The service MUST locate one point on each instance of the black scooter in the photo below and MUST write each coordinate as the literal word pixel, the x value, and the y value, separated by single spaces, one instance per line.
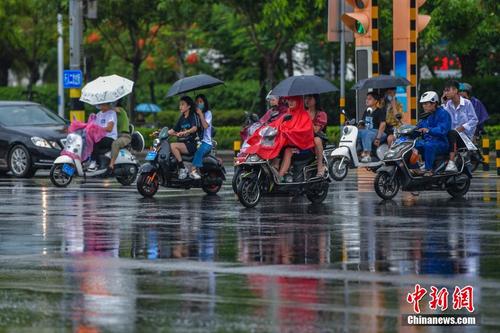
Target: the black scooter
pixel 396 173
pixel 258 177
pixel 161 169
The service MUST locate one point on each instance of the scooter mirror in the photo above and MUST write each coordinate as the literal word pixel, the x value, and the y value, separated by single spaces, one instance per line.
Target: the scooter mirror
pixel 399 116
pixel 255 118
pixel 163 133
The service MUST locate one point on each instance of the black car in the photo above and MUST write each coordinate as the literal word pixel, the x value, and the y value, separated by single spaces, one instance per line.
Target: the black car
pixel 31 137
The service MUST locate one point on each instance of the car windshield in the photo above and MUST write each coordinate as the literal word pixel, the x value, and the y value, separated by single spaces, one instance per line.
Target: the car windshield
pixel 28 115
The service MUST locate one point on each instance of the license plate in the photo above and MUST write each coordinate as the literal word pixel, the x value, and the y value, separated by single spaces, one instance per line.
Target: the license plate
pixel 68 169
pixel 151 156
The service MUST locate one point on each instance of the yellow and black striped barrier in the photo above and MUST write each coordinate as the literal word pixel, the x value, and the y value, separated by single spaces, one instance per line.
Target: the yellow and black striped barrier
pixel 486 154
pixel 497 148
pixel 375 39
pixel 76 106
pixel 413 61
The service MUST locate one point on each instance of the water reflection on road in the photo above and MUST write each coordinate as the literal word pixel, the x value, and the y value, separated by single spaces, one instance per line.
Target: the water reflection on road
pixel 98 258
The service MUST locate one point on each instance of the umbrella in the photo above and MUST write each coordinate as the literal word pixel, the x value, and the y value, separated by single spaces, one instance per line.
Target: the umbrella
pixel 191 83
pixel 106 89
pixel 303 85
pixel 147 108
pixel 381 82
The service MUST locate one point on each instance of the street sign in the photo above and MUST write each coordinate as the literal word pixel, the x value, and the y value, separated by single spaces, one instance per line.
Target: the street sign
pixel 72 78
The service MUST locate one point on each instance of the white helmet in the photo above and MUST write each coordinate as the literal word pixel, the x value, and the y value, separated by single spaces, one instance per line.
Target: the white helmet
pixel 429 96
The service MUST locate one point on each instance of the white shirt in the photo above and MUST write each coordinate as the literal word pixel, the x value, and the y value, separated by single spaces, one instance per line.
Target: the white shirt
pixel 207 132
pixel 103 119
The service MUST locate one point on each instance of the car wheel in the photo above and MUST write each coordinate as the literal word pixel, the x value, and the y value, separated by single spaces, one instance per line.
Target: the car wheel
pixel 20 162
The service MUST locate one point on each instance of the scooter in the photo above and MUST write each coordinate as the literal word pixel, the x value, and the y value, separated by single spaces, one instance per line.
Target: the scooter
pixel 396 173
pixel 252 123
pixel 259 178
pixel 161 169
pixel 70 163
pixel 345 157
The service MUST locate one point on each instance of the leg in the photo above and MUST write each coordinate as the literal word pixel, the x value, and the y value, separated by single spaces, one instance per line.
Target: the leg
pixel 287 160
pixel 101 147
pixel 452 140
pixel 318 148
pixel 122 141
pixel 203 150
pixel 367 141
pixel 430 151
pixel 178 148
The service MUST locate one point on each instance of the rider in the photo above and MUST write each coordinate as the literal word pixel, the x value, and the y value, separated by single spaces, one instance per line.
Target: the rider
pixel 124 137
pixel 463 119
pixel 435 128
pixel 393 109
pixel 277 108
pixel 205 116
pixel 372 127
pixel 185 131
pixel 481 112
pixel 319 119
pixel 106 118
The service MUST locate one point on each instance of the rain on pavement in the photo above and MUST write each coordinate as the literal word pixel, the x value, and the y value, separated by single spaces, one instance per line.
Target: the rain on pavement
pixel 96 257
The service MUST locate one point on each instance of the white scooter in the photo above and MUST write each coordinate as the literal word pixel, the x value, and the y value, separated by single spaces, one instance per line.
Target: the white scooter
pixel 70 163
pixel 345 157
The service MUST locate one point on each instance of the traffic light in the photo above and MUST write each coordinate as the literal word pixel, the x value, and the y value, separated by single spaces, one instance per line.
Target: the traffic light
pixel 407 23
pixel 360 21
pixel 364 23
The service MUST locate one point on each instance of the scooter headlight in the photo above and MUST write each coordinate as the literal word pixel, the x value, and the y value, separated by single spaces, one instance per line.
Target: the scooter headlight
pixel 253 158
pixel 156 143
pixel 346 130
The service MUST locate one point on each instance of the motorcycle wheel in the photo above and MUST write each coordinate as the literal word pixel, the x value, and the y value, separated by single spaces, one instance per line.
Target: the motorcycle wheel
pixel 211 189
pixel 236 179
pixel 460 187
pixel 384 188
pixel 319 195
pixel 148 184
pixel 249 192
pixel 58 177
pixel 128 180
pixel 337 170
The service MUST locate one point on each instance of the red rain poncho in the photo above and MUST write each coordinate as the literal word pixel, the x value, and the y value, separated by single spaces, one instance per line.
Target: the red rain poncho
pixel 296 132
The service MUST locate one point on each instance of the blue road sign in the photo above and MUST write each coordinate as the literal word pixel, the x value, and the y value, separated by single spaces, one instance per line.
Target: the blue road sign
pixel 72 78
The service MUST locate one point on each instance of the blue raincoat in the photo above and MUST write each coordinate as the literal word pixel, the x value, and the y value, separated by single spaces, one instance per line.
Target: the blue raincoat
pixel 435 142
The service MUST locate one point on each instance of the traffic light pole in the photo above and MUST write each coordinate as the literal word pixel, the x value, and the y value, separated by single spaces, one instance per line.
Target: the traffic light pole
pixel 75 44
pixel 342 66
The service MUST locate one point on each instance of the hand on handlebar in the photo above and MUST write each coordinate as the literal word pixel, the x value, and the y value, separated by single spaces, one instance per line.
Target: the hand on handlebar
pixel 423 130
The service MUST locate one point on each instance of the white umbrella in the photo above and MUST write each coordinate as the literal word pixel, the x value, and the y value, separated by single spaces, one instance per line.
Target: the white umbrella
pixel 106 89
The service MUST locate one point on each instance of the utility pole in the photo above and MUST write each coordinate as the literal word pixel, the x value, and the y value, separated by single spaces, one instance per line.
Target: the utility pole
pixel 75 56
pixel 342 66
pixel 60 66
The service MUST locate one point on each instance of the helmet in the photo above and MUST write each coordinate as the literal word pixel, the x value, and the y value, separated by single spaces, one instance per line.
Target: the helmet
pixel 465 87
pixel 429 96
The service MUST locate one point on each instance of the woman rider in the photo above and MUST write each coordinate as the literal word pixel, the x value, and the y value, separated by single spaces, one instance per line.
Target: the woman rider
pixel 124 137
pixel 205 116
pixel 185 131
pixel 319 119
pixel 106 118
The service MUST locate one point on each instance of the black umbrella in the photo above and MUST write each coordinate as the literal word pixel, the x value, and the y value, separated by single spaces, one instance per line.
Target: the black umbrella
pixel 303 85
pixel 191 83
pixel 381 82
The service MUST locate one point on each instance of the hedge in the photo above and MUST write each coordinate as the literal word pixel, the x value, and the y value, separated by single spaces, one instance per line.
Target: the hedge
pixel 240 96
pixel 227 135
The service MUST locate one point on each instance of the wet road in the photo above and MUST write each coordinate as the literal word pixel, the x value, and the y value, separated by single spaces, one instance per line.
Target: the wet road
pixel 99 258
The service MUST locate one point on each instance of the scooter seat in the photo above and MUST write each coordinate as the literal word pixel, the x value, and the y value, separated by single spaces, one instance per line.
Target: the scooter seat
pixel 187 158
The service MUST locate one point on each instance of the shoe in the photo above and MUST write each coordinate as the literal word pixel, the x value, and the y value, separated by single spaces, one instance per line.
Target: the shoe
pixel 366 159
pixel 422 167
pixel 92 166
pixel 451 167
pixel 417 172
pixel 183 173
pixel 194 175
pixel 288 178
